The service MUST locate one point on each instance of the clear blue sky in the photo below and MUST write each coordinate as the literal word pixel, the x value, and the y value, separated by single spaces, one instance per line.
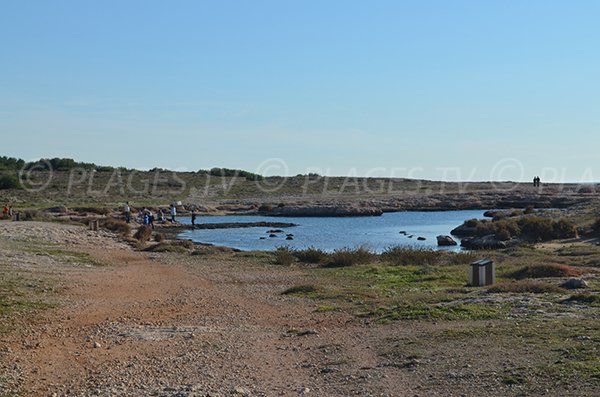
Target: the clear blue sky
pixel 340 87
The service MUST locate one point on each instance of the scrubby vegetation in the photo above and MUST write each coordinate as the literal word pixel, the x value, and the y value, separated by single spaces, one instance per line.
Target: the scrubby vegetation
pixel 117 226
pixel 546 270
pixel 228 172
pixel 311 255
pixel 9 182
pixel 525 286
pixel 349 257
pixel 526 227
pixel 143 233
pixel 284 256
pixel 411 256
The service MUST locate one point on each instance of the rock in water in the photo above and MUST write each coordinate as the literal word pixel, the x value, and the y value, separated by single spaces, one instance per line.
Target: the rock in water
pixel 445 241
pixel 421 238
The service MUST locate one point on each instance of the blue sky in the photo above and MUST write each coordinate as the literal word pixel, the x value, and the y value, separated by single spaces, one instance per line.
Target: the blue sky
pixel 480 89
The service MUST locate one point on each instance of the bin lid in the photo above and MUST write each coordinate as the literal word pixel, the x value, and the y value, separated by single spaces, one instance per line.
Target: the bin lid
pixel 482 262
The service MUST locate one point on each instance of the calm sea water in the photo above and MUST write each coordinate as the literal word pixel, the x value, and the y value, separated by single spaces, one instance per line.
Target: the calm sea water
pixel 376 233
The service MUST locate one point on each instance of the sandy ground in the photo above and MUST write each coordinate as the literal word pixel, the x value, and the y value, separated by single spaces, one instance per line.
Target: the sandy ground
pixel 180 325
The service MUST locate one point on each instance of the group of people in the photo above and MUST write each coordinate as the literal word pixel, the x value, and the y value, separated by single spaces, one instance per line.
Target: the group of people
pixel 536 181
pixel 7 212
pixel 146 217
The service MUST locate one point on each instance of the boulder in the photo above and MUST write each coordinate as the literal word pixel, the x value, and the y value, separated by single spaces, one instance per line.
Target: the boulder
pixel 421 238
pixel 464 231
pixel 445 241
pixel 574 283
pixel 486 242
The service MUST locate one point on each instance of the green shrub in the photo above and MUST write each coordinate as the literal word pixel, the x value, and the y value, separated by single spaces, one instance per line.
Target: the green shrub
pixel 537 228
pixel 471 222
pixel 9 182
pixel 311 255
pixel 143 234
pixel 564 229
pixel 535 287
pixel 349 257
pixel 284 256
pixel 403 256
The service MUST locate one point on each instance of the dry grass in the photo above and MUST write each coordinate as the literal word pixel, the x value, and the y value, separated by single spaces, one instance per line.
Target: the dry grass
pixel 546 270
pixel 143 233
pixel 117 226
pixel 525 286
pixel 349 257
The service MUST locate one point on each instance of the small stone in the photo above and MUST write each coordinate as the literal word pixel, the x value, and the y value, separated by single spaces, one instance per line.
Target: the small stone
pixel 97 345
pixel 241 391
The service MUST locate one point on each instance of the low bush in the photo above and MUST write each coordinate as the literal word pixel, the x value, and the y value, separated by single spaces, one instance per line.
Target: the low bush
pixel 284 256
pixel 531 286
pixel 546 270
pixel 34 215
pixel 300 289
pixel 93 210
pixel 117 226
pixel 166 247
pixel 9 182
pixel 349 257
pixel 187 244
pixel 564 229
pixel 529 227
pixel 402 256
pixel 143 233
pixel 311 255
pixel 583 298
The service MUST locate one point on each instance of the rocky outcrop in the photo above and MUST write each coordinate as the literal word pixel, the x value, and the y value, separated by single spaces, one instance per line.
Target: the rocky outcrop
pixel 445 241
pixel 235 225
pixel 324 211
pixel 485 242
pixel 464 230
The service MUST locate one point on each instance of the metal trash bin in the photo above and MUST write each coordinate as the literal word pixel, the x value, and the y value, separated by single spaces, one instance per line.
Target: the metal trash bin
pixel 94 225
pixel 482 272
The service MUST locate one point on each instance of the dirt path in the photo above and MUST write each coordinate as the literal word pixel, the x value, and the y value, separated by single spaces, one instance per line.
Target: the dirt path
pixel 181 325
pixel 163 324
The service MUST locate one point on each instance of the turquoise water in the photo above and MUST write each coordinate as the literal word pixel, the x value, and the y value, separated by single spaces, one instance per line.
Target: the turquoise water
pixel 376 233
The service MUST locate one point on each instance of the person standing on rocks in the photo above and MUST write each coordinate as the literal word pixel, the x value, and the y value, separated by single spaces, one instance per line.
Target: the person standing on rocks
pixel 173 212
pixel 127 211
pixel 5 212
pixel 151 219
